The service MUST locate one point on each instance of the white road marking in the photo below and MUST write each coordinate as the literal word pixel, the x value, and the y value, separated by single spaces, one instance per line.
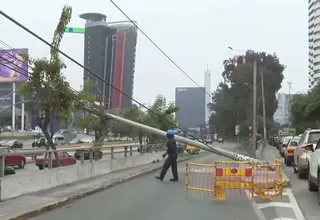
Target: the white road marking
pixel 268 193
pixel 293 204
pixel 274 204
pixel 296 208
pixel 283 218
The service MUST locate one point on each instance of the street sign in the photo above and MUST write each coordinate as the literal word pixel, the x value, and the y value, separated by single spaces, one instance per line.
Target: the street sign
pixel 250 128
pixel 237 129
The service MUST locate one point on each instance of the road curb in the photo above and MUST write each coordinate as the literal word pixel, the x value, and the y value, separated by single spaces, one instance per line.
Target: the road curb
pixel 100 188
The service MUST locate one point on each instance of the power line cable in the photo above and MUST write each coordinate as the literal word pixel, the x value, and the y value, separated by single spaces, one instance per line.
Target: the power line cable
pixel 159 48
pixel 27 75
pixel 236 102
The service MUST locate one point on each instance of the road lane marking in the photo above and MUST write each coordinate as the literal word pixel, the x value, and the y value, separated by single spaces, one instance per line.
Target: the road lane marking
pixel 296 209
pixel 283 218
pixel 258 212
pixel 274 204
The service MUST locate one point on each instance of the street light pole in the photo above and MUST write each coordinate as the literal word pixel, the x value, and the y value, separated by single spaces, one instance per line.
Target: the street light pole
pixel 263 106
pixel 289 102
pixel 254 108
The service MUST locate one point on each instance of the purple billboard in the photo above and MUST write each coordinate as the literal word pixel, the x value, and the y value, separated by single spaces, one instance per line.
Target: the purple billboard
pixel 14 65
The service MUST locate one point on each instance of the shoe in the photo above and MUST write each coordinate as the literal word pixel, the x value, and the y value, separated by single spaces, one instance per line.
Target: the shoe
pixel 174 180
pixel 158 178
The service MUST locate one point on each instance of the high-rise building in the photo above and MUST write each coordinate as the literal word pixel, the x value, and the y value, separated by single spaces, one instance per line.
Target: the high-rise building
pixel 191 101
pixel 282 114
pixel 314 43
pixel 109 52
pixel 207 86
pixel 98 54
pixel 125 41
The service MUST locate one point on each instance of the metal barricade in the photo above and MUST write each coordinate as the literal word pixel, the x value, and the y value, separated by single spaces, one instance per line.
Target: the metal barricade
pixel 228 178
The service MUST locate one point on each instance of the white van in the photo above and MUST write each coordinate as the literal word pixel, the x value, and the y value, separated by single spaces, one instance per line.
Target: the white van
pixel 58 139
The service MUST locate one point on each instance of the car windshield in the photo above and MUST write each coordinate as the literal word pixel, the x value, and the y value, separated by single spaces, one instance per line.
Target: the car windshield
pixel 286 140
pixel 313 137
pixel 294 142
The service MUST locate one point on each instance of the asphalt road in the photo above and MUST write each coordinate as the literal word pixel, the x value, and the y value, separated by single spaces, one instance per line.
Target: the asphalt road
pixel 145 198
pixel 306 200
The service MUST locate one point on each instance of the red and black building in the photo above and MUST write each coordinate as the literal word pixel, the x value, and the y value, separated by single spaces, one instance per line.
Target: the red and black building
pixel 110 49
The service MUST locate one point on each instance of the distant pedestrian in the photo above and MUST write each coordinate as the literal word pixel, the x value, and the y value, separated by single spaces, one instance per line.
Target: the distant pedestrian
pixel 171 160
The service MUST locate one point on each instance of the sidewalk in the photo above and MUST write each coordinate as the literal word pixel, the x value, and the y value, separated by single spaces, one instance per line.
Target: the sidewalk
pixel 31 205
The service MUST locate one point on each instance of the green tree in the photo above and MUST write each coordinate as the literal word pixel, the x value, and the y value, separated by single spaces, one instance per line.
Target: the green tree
pixel 135 113
pixel 48 85
pixel 305 110
pixel 232 100
pixel 94 118
pixel 163 118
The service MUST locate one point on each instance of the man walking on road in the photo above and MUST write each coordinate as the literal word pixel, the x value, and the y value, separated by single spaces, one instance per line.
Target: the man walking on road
pixel 172 158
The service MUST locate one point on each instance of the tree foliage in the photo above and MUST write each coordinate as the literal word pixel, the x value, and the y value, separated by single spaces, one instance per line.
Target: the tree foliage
pixel 94 118
pixel 161 116
pixel 233 99
pixel 48 86
pixel 305 109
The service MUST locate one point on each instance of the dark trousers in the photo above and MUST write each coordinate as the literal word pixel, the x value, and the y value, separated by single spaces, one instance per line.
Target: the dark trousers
pixel 170 161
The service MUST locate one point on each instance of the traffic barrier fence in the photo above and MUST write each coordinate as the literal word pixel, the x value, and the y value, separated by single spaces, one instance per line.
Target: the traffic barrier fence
pixel 223 179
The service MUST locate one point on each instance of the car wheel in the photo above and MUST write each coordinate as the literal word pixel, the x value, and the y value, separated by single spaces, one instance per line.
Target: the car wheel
pixel 22 163
pixel 41 167
pixel 301 174
pixel 295 170
pixel 288 162
pixel 311 186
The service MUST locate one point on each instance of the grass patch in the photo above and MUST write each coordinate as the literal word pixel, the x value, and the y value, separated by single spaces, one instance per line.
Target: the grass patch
pixel 21 138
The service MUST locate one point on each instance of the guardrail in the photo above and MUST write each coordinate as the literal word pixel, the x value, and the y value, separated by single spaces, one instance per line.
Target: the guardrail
pixel 49 154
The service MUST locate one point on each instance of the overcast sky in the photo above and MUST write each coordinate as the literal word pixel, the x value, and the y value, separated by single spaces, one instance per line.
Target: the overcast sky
pixel 192 33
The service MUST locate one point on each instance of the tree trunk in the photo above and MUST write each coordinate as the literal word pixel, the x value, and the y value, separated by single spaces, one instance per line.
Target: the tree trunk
pixel 43 124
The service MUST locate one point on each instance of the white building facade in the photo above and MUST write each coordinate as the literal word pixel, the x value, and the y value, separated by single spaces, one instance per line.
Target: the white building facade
pixel 207 86
pixel 314 43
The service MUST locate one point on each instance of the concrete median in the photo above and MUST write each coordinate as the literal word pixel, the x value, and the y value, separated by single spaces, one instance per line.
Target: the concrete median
pixel 18 185
pixel 49 200
pixel 265 153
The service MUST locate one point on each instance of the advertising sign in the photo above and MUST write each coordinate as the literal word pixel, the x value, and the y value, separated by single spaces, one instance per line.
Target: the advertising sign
pixel 13 65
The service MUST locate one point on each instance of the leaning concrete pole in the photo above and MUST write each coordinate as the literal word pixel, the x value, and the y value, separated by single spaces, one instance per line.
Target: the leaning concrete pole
pixel 219 151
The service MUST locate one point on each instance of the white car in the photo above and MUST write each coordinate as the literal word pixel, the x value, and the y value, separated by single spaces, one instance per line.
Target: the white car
pixel 87 140
pixel 314 168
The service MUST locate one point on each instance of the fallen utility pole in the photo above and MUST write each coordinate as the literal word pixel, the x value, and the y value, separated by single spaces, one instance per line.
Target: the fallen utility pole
pixel 215 150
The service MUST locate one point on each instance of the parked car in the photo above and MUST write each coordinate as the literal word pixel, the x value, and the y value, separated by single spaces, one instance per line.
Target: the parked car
pixel 75 141
pixel 314 168
pixel 13 160
pixel 87 140
pixel 289 150
pixel 64 158
pixel 96 154
pixel 284 144
pixel 13 144
pixel 40 142
pixel 302 155
pixel 220 140
pixel 58 139
pixel 280 140
pixel 2 143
